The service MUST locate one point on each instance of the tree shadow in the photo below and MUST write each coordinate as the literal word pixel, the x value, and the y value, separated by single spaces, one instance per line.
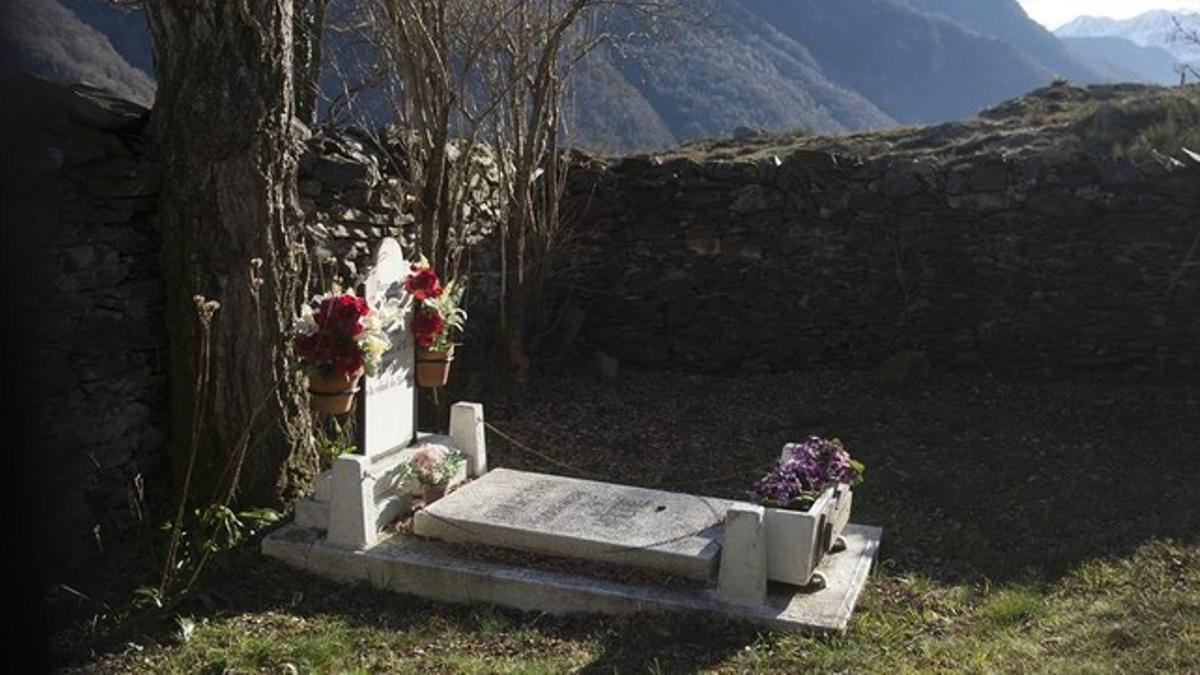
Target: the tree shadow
pixel 245 582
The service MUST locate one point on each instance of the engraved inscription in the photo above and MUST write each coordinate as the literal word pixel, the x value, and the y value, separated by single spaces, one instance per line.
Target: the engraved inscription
pixel 560 506
pixel 621 511
pixel 544 504
pixel 515 507
pixel 584 519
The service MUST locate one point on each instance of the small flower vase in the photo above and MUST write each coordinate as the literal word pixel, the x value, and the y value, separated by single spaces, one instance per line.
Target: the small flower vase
pixel 797 541
pixel 333 394
pixel 433 493
pixel 433 368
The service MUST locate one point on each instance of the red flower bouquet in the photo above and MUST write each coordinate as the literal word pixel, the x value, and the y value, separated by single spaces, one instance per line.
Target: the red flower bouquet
pixel 437 317
pixel 337 339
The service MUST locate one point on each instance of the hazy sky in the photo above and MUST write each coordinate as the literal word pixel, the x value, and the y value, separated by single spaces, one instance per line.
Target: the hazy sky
pixel 1054 13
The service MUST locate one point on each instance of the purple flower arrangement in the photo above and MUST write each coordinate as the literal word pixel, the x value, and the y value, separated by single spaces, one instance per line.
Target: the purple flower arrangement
pixel 811 466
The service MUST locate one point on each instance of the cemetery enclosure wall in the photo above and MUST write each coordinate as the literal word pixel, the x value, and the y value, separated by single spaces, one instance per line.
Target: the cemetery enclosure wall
pixel 815 261
pixel 1047 265
pixel 98 354
pixel 101 348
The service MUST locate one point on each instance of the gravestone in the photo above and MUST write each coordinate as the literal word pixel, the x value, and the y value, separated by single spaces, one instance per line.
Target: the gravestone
pixel 387 412
pixel 388 409
pixel 672 532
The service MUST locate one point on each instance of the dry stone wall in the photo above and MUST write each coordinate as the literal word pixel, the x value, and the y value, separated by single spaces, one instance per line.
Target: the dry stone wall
pixel 102 344
pixel 100 348
pixel 1039 265
pixel 1049 264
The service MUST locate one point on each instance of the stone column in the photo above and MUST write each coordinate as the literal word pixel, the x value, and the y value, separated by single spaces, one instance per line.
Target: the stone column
pixel 352 507
pixel 743 575
pixel 467 434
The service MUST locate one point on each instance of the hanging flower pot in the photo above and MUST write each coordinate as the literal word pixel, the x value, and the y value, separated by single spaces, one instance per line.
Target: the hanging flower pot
pixel 433 367
pixel 438 316
pixel 337 332
pixel 333 394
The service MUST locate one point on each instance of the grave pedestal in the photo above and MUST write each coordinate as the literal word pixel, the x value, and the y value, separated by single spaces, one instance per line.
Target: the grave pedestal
pixel 743 577
pixel 432 570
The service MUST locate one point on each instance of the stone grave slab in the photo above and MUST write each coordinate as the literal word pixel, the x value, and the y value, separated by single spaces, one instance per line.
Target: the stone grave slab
pixel 672 532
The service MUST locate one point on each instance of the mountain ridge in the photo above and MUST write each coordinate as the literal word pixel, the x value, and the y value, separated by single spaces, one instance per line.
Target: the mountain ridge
pixel 1155 28
pixel 771 65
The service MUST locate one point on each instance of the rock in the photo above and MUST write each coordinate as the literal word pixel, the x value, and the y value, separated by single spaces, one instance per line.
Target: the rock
pixel 745 133
pixel 100 109
pixel 754 199
pixel 900 180
pixel 990 177
pixel 703 245
pixel 310 187
pixel 338 172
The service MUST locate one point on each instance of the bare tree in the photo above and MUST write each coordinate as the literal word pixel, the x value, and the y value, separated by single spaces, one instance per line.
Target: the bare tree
pixel 496 72
pixel 308 31
pixel 1185 35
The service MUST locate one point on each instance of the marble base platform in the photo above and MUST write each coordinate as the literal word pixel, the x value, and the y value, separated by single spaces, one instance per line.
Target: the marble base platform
pixel 434 570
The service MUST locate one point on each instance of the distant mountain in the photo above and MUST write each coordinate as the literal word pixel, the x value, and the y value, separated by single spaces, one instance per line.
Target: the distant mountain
pixel 1131 61
pixel 771 65
pixel 1005 20
pixel 738 71
pixel 45 38
pixel 916 66
pixel 124 26
pixel 1152 29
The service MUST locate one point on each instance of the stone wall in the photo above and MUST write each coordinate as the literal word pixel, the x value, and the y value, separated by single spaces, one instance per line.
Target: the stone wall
pixel 100 349
pixel 1047 264
pixel 102 344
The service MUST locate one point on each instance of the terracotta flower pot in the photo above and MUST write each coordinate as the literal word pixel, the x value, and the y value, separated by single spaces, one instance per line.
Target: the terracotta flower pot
pixel 333 395
pixel 433 368
pixel 434 493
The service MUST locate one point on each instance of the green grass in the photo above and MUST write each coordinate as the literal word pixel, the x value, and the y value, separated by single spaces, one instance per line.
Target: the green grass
pixel 1178 128
pixel 1042 528
pixel 1144 617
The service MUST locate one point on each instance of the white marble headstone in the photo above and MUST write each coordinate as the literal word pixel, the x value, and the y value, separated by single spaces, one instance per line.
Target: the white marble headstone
pixel 389 400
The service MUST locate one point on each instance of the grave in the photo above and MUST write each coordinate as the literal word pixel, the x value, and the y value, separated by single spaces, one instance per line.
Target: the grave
pixel 666 531
pixel 363 492
pixel 719 546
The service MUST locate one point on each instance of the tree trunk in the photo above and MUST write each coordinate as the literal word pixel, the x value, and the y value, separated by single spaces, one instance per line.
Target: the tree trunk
pixel 223 120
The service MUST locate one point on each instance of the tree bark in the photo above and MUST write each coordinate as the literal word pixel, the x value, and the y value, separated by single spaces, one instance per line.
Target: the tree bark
pixel 223 122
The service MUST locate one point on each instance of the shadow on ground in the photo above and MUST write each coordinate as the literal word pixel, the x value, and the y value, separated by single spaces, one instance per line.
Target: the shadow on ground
pixel 248 584
pixel 970 477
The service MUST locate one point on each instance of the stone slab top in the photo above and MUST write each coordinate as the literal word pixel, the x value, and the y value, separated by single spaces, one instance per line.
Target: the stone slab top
pixel 668 531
